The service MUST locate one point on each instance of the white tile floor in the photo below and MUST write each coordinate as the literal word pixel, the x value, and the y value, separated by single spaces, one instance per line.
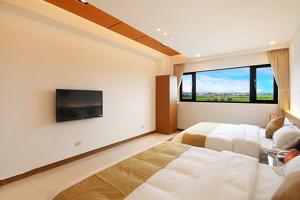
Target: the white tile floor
pixel 45 185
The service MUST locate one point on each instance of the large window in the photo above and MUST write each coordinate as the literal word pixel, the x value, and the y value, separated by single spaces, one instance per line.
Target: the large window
pixel 253 84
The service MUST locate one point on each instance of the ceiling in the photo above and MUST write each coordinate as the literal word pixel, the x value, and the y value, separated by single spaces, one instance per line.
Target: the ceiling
pixel 210 27
pixel 96 15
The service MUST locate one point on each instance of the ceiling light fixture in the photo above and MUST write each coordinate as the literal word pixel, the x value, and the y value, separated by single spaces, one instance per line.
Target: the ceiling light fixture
pixel 164 45
pixel 158 29
pixel 272 42
pixel 197 55
pixel 165 33
pixel 83 1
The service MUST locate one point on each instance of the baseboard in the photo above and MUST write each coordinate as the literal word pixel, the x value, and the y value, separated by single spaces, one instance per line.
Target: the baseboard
pixel 68 160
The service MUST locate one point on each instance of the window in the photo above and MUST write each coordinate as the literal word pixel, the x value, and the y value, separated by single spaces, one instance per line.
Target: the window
pixel 223 85
pixel 253 84
pixel 264 84
pixel 187 83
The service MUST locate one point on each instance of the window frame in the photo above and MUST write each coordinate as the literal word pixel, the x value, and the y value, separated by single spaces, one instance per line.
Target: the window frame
pixel 252 82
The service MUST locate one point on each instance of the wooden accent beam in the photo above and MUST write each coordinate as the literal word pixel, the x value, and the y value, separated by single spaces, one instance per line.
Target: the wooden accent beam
pixel 127 31
pixel 154 44
pixel 96 15
pixel 86 11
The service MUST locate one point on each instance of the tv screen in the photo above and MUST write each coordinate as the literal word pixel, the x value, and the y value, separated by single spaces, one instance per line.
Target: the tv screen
pixel 78 104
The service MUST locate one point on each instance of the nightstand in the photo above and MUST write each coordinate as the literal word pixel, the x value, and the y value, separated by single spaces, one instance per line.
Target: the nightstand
pixel 269 157
pixel 274 161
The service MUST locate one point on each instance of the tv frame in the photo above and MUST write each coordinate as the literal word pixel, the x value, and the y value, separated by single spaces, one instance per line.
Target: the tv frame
pixel 58 119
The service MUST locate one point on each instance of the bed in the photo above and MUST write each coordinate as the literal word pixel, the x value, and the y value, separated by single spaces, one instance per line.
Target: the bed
pixel 244 139
pixel 173 171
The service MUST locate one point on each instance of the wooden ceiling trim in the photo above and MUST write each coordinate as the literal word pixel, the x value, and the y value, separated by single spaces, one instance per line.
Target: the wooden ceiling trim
pixel 114 25
pixel 127 31
pixel 86 11
pixel 94 14
pixel 154 44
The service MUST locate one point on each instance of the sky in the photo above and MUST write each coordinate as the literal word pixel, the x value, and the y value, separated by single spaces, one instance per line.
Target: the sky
pixel 264 79
pixel 230 80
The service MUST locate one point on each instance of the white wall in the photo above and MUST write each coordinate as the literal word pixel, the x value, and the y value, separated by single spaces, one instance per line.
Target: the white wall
pixel 44 48
pixel 295 74
pixel 228 62
pixel 195 112
pixel 192 113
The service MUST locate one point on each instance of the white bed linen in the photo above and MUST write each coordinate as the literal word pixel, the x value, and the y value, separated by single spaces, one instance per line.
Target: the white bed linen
pixel 265 143
pixel 202 174
pixel 267 182
pixel 243 139
pixel 197 169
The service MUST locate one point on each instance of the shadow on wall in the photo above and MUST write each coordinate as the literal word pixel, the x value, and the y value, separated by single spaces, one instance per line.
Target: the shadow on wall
pixel 44 108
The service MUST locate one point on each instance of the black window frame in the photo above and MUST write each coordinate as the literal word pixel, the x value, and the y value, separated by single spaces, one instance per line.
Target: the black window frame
pixel 252 82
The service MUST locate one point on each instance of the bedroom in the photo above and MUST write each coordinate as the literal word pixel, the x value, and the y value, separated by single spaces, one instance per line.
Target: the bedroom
pixel 45 46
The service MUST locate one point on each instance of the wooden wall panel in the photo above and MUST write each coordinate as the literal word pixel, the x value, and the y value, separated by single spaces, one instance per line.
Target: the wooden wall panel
pixel 93 14
pixel 166 104
pixel 173 103
pixel 162 104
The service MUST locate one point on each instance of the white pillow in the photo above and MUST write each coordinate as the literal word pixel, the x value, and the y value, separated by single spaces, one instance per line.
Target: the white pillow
pixel 286 137
pixel 287 122
pixel 291 166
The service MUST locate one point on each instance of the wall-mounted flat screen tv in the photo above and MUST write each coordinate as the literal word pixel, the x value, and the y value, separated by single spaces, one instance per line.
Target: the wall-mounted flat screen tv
pixel 78 104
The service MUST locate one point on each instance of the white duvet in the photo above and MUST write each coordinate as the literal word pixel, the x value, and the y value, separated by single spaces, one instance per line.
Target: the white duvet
pixel 202 174
pixel 243 139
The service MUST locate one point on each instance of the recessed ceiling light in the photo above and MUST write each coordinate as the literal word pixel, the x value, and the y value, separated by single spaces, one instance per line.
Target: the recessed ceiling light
pixel 272 42
pixel 165 33
pixel 158 29
pixel 197 55
pixel 83 1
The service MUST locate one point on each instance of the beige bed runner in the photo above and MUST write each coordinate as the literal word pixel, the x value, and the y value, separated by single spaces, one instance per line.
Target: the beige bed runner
pixel 118 181
pixel 196 135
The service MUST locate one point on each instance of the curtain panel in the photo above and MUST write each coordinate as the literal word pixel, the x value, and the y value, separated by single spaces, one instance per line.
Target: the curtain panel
pixel 178 72
pixel 279 60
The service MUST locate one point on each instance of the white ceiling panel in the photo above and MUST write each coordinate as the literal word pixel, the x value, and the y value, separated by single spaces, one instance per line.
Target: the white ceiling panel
pixel 210 27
